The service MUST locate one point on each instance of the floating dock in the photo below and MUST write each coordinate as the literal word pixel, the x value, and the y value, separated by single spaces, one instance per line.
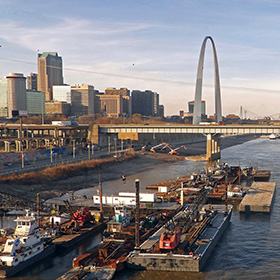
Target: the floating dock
pixel 259 198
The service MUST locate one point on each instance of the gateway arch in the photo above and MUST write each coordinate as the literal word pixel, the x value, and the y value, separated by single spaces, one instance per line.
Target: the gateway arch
pixel 198 89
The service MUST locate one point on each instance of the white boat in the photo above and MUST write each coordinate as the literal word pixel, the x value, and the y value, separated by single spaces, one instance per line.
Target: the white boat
pixel 272 137
pixel 235 191
pixel 24 247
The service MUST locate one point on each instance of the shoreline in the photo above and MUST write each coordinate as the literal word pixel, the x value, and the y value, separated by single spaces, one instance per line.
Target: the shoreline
pixel 23 194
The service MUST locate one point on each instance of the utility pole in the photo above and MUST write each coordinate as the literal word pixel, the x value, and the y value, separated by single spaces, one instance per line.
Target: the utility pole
pixel 137 215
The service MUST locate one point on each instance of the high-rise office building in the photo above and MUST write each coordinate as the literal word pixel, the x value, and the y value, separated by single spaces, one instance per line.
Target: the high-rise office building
pixel 62 93
pixel 203 107
pixel 16 92
pixel 111 105
pixel 31 81
pixel 82 100
pixel 145 103
pixel 35 102
pixel 3 97
pixel 126 100
pixel 161 111
pixel 49 72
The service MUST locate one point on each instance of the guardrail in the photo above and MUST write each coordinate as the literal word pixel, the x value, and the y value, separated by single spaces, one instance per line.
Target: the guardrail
pixel 56 162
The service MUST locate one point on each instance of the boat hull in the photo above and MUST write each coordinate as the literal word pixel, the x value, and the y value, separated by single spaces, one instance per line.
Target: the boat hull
pixel 8 271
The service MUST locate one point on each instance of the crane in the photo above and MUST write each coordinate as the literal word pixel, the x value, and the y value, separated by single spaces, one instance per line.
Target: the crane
pixel 154 147
pixel 174 151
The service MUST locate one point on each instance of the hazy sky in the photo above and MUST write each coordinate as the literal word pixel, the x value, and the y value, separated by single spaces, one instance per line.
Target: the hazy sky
pixel 153 45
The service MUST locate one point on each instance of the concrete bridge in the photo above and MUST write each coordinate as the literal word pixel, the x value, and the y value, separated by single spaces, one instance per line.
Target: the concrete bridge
pixel 37 135
pixel 103 134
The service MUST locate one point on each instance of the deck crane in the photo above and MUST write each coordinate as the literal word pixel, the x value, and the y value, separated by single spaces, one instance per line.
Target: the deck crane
pixel 154 147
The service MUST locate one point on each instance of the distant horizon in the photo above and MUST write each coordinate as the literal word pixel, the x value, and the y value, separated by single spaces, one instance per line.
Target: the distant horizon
pixel 152 46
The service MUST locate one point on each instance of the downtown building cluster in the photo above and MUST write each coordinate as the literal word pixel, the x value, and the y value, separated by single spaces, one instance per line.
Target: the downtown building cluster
pixel 46 93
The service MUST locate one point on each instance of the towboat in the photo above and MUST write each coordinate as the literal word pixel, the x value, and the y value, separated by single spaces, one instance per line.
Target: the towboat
pixel 24 247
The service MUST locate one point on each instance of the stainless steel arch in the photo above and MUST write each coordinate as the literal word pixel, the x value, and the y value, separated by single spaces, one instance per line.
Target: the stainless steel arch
pixel 198 89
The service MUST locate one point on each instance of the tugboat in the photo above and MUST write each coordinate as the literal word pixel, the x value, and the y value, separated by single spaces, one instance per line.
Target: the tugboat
pixel 24 247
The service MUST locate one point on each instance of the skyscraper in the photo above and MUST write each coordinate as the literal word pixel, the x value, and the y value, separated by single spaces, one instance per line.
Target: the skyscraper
pixel 16 92
pixel 32 81
pixel 49 72
pixel 82 100
pixel 126 100
pixel 145 103
pixel 3 97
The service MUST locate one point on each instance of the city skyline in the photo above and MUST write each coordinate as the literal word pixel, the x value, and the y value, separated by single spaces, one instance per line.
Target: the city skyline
pixel 152 46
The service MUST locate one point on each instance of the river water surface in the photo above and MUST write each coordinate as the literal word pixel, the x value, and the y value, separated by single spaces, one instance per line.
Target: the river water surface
pixel 248 249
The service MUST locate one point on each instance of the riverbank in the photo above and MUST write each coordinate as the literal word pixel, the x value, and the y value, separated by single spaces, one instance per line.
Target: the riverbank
pixel 24 194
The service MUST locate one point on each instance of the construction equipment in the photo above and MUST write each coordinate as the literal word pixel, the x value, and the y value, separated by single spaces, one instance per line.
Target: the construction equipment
pixel 174 151
pixel 153 149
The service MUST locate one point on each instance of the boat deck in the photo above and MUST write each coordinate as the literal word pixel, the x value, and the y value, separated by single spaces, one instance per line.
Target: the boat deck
pixel 209 234
pixel 68 240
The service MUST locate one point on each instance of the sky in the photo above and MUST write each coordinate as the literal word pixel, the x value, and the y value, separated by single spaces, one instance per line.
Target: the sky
pixel 153 45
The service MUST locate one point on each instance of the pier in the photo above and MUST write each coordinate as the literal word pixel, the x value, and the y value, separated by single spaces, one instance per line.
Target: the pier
pixel 259 198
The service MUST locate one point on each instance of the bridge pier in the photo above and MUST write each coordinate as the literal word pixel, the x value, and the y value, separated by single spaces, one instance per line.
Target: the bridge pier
pixel 18 146
pixel 7 146
pixel 213 148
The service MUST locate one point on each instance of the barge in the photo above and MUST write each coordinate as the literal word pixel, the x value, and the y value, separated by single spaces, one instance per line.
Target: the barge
pixel 193 250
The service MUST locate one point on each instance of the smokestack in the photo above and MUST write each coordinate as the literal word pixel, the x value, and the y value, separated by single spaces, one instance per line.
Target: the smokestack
pixel 101 203
pixel 38 208
pixel 137 215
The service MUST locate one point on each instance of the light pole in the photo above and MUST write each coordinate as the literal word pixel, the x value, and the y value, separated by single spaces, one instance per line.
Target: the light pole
pixel 22 155
pixel 109 144
pixel 74 149
pixel 88 151
pixel 51 152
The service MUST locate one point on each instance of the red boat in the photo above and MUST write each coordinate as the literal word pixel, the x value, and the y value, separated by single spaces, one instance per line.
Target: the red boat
pixel 169 240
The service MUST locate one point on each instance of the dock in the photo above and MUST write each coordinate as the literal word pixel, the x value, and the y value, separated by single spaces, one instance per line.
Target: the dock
pixel 259 198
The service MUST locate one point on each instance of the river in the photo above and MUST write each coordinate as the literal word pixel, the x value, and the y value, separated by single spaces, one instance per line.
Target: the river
pixel 249 248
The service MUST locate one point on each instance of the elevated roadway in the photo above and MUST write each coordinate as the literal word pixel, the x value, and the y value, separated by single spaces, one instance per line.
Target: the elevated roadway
pixel 205 129
pixel 100 133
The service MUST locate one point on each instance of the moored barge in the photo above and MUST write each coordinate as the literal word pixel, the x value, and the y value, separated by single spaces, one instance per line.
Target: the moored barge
pixel 192 252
